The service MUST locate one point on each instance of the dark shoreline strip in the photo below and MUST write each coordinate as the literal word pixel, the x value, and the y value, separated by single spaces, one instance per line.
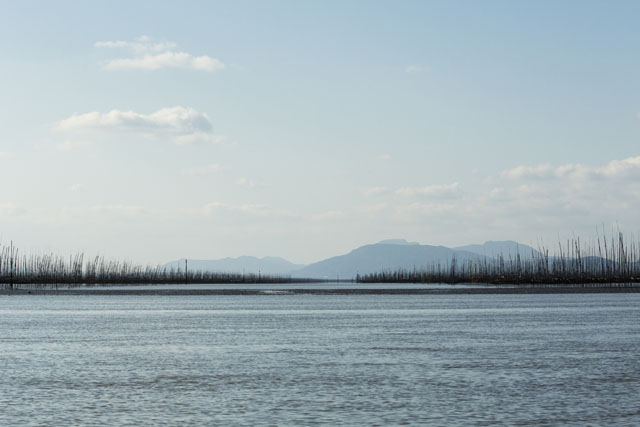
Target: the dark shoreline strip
pixel 336 291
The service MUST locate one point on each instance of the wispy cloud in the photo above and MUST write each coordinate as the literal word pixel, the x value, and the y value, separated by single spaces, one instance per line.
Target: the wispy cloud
pixel 615 168
pixel 141 44
pixel 376 191
pixel 556 195
pixel 441 191
pixel 166 60
pixel 182 125
pixel 149 55
pixel 248 183
pixel 384 156
pixel 525 197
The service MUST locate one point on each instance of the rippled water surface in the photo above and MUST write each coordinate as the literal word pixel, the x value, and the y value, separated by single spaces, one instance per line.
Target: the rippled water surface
pixel 315 359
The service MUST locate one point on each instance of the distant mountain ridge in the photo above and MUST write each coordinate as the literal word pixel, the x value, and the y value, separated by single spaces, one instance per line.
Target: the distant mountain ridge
pixel 389 254
pixel 381 256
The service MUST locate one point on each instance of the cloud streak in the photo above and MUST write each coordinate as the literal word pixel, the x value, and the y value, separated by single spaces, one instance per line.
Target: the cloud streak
pixel 166 60
pixel 248 183
pixel 151 56
pixel 442 191
pixel 376 191
pixel 629 167
pixel 139 45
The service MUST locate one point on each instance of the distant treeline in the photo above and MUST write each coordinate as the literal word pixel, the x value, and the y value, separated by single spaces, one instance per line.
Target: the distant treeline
pixel 51 269
pixel 604 261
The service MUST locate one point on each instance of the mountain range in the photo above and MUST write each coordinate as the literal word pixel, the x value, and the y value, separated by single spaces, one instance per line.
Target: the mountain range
pixel 385 255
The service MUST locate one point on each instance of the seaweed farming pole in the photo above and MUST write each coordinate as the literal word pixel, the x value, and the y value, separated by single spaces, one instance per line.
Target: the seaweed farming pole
pixel 186 271
pixel 11 266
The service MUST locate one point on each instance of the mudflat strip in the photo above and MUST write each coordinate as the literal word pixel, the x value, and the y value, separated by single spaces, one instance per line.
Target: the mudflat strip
pixel 335 291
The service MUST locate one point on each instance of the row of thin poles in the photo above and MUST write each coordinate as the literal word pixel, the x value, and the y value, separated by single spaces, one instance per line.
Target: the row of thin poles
pixel 611 261
pixel 51 269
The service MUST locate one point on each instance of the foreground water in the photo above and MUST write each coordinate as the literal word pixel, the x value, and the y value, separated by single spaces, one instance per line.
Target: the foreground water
pixel 314 359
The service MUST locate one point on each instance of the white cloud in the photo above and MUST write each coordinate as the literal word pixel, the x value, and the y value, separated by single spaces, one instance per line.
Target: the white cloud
pixel 140 45
pixel 376 191
pixel 182 125
pixel 527 200
pixel 544 171
pixel 614 169
pixel 174 119
pixel 442 191
pixel 573 196
pixel 417 69
pixel 384 157
pixel 166 60
pixel 154 56
pixel 620 168
pixel 76 187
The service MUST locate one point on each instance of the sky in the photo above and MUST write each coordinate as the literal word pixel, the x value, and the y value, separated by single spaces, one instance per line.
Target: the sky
pixel 152 131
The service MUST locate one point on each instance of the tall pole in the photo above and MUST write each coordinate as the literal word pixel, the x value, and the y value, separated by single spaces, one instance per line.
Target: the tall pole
pixel 11 266
pixel 186 271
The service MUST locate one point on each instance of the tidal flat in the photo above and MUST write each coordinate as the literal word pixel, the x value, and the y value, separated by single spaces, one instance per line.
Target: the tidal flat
pixel 329 288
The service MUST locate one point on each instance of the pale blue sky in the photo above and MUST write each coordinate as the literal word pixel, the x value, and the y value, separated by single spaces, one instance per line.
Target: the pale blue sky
pixel 304 129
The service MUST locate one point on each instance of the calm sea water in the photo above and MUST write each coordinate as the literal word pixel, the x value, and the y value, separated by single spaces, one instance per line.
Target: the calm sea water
pixel 320 359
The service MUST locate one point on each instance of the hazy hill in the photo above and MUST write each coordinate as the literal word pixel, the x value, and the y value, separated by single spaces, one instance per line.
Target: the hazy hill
pixel 382 256
pixel 247 264
pixel 386 255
